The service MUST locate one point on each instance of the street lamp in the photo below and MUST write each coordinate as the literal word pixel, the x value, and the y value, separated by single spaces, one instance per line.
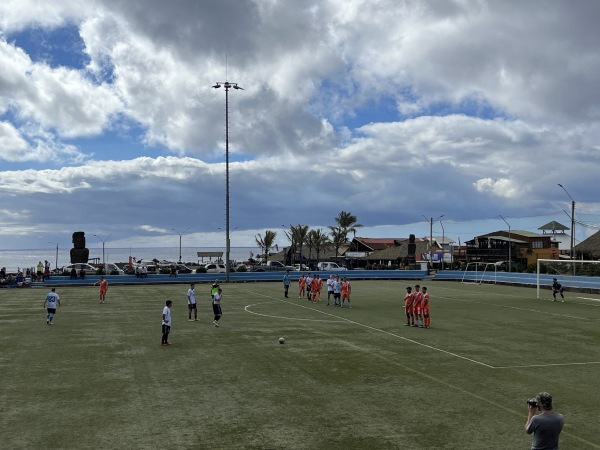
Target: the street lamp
pixel 103 242
pixel 227 85
pixel 431 222
pixel 509 245
pixel 572 224
pixel 180 234
pixel 56 262
pixel 443 242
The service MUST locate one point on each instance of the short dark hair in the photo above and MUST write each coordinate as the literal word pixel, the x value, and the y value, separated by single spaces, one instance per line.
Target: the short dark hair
pixel 545 400
pixel 169 302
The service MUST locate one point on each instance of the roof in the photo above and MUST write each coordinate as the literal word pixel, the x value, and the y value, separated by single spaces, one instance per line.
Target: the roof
pixel 400 250
pixel 553 226
pixel 590 246
pixel 379 243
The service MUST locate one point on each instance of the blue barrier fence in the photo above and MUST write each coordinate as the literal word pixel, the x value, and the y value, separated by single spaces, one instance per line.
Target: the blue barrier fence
pixel 526 279
pixel 235 277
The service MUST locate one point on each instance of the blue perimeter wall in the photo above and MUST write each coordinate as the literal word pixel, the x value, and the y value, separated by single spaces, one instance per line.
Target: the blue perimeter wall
pixel 526 279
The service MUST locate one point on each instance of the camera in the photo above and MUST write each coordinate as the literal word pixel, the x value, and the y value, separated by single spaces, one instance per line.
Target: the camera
pixel 532 402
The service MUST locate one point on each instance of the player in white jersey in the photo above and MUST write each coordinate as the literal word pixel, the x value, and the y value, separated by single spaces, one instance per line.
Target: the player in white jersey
pixel 52 299
pixel 329 282
pixel 191 295
pixel 166 323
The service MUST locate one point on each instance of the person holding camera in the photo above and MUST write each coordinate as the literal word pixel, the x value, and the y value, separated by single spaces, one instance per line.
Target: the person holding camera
pixel 546 427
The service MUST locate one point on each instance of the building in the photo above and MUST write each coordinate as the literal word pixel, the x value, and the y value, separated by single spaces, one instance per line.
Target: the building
pixel 524 247
pixel 589 249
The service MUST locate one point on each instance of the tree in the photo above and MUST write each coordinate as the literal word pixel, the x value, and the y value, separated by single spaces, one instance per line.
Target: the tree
pixel 347 224
pixel 319 241
pixel 337 238
pixel 266 242
pixel 298 237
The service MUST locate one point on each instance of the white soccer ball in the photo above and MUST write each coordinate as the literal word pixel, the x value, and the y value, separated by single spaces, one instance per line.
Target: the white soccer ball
pixel 282 340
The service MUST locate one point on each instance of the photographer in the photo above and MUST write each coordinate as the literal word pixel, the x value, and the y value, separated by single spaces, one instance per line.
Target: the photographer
pixel 546 427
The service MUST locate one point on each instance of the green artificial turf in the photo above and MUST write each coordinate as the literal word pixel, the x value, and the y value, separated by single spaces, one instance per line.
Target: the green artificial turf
pixel 344 379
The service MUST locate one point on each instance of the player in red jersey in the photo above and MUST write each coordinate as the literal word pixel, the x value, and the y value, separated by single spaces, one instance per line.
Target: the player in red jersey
pixel 417 307
pixel 408 304
pixel 425 307
pixel 301 286
pixel 346 289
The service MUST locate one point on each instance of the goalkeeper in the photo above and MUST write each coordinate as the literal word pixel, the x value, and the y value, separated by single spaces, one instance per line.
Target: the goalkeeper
pixel 557 289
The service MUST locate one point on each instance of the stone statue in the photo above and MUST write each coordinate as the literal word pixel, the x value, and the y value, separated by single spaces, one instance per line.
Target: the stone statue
pixel 79 254
pixel 412 247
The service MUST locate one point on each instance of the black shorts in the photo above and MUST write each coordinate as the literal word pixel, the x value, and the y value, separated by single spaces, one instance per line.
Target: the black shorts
pixel 191 306
pixel 166 329
pixel 217 309
pixel 336 295
pixel 51 310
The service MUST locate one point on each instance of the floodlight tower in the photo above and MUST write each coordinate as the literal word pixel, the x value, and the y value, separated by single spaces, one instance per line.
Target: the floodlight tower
pixel 103 242
pixel 227 85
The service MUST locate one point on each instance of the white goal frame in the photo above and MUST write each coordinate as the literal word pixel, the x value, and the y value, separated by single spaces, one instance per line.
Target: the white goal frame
pixel 539 281
pixel 477 264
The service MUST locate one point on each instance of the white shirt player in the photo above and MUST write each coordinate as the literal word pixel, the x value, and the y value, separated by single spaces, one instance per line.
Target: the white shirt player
pixel 51 299
pixel 191 296
pixel 330 282
pixel 167 316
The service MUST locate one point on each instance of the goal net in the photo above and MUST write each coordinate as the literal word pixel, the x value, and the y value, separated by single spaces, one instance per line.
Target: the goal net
pixel 579 274
pixel 478 272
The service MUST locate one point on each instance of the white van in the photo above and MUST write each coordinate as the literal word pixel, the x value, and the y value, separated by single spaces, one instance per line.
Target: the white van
pixel 330 266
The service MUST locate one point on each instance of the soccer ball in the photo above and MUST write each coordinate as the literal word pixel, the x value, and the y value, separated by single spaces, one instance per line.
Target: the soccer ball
pixel 282 340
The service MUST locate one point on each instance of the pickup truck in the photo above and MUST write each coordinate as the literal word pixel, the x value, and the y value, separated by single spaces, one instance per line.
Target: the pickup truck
pixel 330 266
pixel 271 266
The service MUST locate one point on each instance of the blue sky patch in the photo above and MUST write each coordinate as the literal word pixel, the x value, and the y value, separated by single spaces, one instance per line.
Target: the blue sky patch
pixel 57 47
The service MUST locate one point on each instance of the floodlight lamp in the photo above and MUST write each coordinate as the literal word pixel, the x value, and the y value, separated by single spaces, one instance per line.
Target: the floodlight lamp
pixel 217 86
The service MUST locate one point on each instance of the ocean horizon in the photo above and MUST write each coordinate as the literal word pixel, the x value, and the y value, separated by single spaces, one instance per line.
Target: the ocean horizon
pixel 13 260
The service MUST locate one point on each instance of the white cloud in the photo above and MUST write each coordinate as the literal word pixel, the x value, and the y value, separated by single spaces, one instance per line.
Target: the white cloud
pixel 492 104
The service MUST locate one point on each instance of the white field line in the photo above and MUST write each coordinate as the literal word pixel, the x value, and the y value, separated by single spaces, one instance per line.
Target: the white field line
pixel 343 319
pixel 412 341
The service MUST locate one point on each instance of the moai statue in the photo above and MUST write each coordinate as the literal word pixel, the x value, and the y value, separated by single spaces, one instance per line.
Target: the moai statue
pixel 79 254
pixel 412 248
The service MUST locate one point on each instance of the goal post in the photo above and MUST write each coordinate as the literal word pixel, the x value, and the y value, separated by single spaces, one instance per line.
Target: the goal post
pixel 479 272
pixel 576 273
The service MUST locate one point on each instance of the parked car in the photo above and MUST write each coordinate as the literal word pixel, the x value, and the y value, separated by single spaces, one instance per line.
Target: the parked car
pixel 330 266
pixel 182 268
pixel 215 268
pixel 112 268
pixel 89 269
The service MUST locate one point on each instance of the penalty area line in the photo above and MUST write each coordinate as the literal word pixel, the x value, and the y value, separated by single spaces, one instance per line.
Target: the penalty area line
pixel 549 365
pixel 412 341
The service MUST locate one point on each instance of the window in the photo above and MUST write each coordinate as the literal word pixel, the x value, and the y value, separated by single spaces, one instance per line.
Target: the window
pixel 537 244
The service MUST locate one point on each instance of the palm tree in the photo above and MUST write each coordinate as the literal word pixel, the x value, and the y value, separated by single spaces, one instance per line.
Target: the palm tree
pixel 298 236
pixel 347 224
pixel 320 241
pixel 266 242
pixel 337 238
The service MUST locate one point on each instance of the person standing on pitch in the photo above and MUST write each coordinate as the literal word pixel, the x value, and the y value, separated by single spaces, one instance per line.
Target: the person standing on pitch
pixel 301 286
pixel 408 302
pixel 286 283
pixel 217 306
pixel 191 296
pixel 329 288
pixel 103 288
pixel 166 323
pixel 425 308
pixel 557 289
pixel 546 427
pixel 418 313
pixel 52 299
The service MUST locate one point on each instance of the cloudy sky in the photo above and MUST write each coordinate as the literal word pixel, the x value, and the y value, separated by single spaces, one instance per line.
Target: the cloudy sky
pixel 392 110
